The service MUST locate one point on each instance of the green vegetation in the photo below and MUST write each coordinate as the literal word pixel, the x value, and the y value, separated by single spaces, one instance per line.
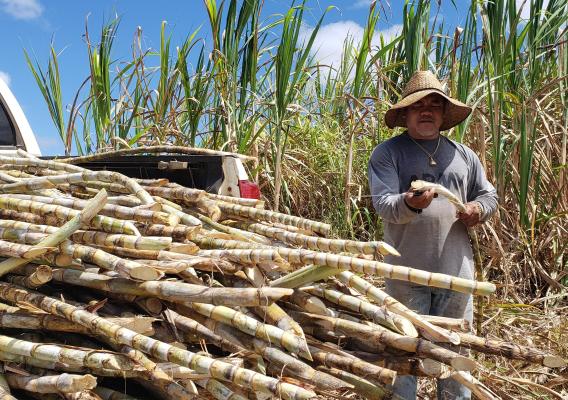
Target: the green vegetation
pixel 256 89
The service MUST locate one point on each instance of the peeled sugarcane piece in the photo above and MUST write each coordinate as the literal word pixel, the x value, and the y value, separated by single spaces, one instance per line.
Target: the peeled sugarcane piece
pixel 319 243
pixel 439 189
pixel 376 314
pixel 379 336
pixel 511 350
pixel 22 251
pixel 272 216
pixel 393 305
pixel 219 391
pixel 178 233
pixel 157 349
pixel 374 373
pixel 254 328
pixel 37 278
pixel 109 394
pixel 414 275
pixel 67 355
pixel 107 224
pixel 64 383
pixel 54 239
pixel 454 324
pixel 480 391
pixel 179 292
pixel 110 210
pixel 237 200
pixel 361 386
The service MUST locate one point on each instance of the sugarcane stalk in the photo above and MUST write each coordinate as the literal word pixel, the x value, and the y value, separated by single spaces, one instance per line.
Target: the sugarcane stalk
pixel 107 224
pixel 172 291
pixel 377 295
pixel 218 390
pixel 248 256
pixel 405 365
pixel 455 324
pixel 63 354
pixel 376 314
pixel 238 234
pixel 236 200
pixel 54 239
pixel 360 385
pixel 481 391
pixel 178 233
pixel 373 373
pixel 39 277
pixel 5 389
pixel 304 276
pixel 48 182
pixel 22 251
pixel 286 364
pixel 254 328
pixel 511 350
pixel 272 216
pixel 44 164
pixel 359 265
pixel 184 218
pixel 319 243
pixel 160 350
pixel 309 303
pixel 110 210
pixel 378 335
pixel 187 195
pixel 207 242
pixel 64 383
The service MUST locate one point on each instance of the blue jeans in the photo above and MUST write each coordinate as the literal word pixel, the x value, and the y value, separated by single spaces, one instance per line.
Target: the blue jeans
pixel 431 301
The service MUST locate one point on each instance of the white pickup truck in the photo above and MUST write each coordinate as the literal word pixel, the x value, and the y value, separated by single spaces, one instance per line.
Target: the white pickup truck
pixel 221 174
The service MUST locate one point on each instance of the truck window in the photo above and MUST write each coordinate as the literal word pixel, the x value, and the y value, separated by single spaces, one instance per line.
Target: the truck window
pixel 7 132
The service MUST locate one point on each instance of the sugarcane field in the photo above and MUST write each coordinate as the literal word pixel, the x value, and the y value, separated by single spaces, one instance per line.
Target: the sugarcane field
pixel 314 199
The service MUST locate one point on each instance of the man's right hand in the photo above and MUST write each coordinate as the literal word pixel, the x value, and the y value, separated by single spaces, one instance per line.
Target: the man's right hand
pixel 421 201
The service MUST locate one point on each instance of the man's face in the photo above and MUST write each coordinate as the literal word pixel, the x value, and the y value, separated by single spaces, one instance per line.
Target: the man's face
pixel 424 118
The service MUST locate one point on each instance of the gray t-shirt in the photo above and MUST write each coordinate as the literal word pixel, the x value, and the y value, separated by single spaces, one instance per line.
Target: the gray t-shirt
pixel 434 240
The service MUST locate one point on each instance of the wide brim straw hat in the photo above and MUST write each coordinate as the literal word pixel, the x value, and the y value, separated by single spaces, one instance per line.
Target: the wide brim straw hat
pixel 420 85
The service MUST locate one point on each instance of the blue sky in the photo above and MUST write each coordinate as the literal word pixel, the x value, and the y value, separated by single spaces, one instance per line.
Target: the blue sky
pixel 33 24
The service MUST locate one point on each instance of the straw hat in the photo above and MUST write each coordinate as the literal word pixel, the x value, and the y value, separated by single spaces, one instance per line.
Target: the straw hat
pixel 420 85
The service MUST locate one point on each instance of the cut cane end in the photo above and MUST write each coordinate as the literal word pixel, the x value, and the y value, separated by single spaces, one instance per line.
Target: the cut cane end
pixel 144 273
pixel 386 249
pixel 271 295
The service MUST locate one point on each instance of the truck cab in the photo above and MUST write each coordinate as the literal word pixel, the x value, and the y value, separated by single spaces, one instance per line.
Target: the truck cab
pixel 222 174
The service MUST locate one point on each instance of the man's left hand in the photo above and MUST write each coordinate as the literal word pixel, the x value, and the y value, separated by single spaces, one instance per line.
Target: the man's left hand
pixel 472 214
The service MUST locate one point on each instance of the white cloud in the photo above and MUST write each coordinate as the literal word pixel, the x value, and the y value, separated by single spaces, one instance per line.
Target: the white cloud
pixel 5 77
pixel 362 4
pixel 22 9
pixel 328 45
pixel 526 12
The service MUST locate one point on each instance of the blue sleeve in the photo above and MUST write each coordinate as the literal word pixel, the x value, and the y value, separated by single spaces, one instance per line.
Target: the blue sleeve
pixel 385 190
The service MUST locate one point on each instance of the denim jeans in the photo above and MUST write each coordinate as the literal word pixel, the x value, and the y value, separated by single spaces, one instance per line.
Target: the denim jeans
pixel 431 301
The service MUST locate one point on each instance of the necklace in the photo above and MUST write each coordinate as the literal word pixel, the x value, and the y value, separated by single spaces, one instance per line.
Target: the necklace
pixel 431 161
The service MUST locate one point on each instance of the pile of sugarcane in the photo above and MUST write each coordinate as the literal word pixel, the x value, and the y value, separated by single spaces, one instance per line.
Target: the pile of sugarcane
pixel 187 294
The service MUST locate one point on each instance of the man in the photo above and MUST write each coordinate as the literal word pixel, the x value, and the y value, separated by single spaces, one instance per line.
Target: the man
pixel 423 227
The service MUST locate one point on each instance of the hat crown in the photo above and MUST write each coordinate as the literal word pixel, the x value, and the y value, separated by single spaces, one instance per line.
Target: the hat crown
pixel 422 80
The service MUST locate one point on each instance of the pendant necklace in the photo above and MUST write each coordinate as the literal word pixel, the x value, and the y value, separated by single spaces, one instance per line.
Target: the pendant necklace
pixel 431 161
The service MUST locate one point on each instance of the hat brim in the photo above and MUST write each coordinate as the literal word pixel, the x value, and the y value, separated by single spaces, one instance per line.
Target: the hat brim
pixel 455 111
